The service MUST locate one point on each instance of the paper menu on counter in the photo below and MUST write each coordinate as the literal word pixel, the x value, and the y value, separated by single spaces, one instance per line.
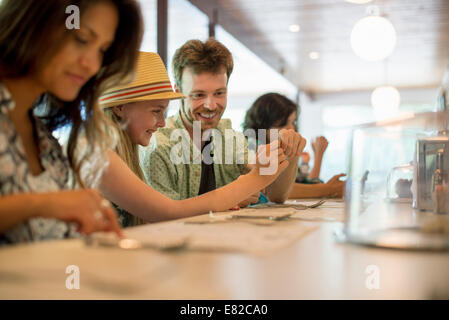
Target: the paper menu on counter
pixel 238 236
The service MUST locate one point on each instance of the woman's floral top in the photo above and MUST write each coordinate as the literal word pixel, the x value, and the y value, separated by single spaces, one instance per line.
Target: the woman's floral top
pixel 15 175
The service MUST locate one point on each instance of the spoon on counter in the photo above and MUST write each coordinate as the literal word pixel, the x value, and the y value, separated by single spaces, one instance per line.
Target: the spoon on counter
pixel 101 239
pixel 298 206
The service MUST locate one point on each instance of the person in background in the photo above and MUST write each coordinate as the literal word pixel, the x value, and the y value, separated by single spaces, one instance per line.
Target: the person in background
pixel 202 71
pixel 303 168
pixel 273 111
pixel 137 109
pixel 319 146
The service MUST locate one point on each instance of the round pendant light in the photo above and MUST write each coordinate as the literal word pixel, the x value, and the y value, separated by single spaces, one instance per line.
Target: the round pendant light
pixel 373 38
pixel 385 101
pixel 358 1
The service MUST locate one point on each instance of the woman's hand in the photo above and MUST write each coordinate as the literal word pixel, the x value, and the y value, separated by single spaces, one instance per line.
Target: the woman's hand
pixel 86 207
pixel 319 146
pixel 335 187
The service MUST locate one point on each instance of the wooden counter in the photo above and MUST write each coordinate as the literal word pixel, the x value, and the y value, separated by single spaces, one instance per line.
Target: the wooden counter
pixel 314 267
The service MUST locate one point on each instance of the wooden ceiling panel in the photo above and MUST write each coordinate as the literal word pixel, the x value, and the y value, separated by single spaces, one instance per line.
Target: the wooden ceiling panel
pixel 419 60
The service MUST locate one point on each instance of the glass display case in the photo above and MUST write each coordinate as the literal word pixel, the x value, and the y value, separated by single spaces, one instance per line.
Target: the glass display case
pixel 392 173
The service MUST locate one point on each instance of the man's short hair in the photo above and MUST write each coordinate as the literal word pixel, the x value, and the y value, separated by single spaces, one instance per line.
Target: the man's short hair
pixel 209 56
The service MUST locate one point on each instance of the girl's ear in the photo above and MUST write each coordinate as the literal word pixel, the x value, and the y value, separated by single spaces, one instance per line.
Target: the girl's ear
pixel 118 111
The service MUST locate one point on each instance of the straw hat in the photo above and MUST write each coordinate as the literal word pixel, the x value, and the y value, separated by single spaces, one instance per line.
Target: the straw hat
pixel 151 83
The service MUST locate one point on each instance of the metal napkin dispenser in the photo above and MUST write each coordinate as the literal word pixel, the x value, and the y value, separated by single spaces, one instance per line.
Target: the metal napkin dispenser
pixel 425 166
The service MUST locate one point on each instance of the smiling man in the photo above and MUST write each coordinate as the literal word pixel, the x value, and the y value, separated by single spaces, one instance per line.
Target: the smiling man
pixel 202 71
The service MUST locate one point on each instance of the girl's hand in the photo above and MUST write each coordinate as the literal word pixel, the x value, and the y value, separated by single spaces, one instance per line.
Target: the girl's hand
pixel 254 198
pixel 270 162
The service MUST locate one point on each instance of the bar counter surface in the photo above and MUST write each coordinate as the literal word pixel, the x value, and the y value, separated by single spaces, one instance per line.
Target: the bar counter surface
pixel 313 267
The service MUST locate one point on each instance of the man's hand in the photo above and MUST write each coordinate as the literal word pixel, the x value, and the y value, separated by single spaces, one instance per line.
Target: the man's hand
pixel 271 160
pixel 291 142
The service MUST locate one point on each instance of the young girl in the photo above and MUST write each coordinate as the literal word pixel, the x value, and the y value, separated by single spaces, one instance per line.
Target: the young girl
pixel 138 110
pixel 273 111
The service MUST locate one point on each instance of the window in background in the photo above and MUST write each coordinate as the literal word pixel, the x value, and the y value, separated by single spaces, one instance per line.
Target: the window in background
pixel 250 78
pixel 149 12
pixel 336 126
pixel 185 22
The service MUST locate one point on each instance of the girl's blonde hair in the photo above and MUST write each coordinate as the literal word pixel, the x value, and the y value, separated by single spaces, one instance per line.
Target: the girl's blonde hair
pixel 128 151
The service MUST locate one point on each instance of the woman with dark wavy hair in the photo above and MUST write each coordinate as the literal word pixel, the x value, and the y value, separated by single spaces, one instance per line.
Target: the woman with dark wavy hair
pixel 273 111
pixel 43 63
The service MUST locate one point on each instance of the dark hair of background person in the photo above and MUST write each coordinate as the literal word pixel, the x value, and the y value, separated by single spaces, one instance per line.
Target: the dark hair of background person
pixel 268 111
pixel 31 32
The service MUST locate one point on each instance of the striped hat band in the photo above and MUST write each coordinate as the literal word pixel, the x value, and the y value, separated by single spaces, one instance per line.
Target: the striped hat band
pixel 137 91
pixel 151 82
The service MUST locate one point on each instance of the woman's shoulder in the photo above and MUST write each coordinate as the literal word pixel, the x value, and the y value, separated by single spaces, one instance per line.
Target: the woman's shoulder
pixel 6 101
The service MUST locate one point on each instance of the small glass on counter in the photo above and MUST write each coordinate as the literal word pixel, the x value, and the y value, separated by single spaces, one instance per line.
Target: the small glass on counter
pixel 399 183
